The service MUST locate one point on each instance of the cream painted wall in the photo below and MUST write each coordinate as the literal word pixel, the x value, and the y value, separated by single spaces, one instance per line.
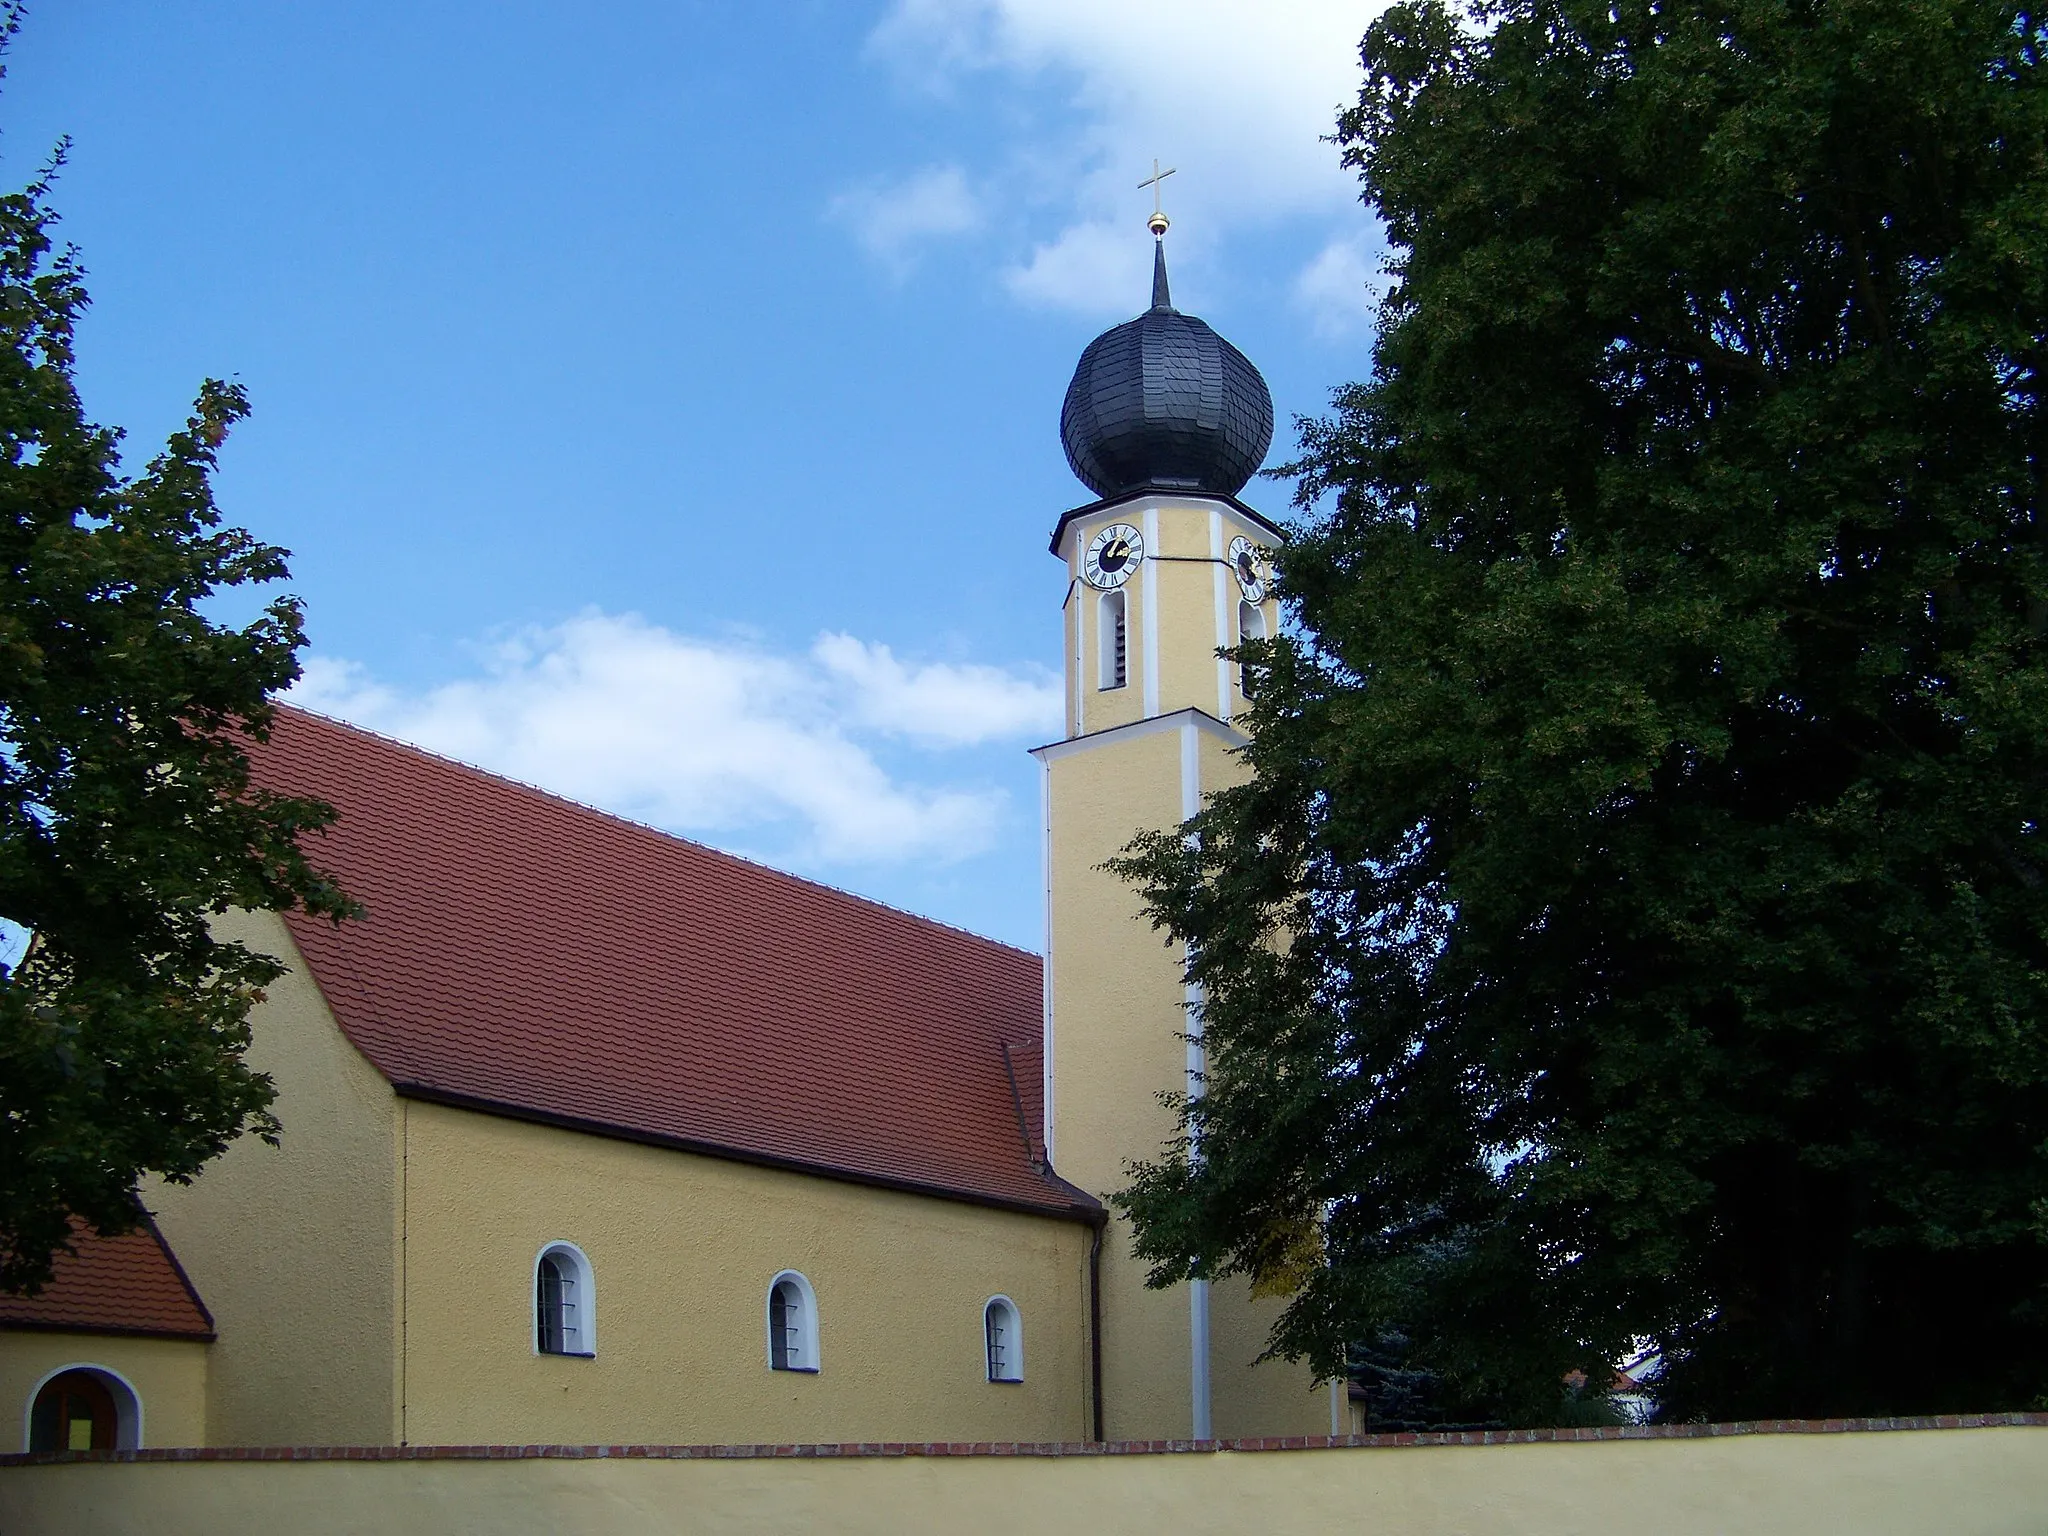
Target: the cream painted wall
pixel 1115 980
pixel 1959 1482
pixel 1114 1048
pixel 293 1248
pixel 683 1248
pixel 1118 1020
pixel 168 1376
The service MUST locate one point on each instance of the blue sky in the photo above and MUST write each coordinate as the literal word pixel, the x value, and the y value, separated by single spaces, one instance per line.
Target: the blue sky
pixel 661 400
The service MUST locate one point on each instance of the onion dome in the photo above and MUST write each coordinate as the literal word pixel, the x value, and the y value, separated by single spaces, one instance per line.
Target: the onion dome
pixel 1164 402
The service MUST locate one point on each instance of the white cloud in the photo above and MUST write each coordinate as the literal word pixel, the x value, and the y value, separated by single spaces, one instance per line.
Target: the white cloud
pixel 940 703
pixel 717 737
pixel 1238 96
pixel 890 219
pixel 1341 289
pixel 1090 267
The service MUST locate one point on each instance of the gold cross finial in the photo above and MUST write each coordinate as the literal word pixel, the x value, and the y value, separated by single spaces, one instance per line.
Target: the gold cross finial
pixel 1159 221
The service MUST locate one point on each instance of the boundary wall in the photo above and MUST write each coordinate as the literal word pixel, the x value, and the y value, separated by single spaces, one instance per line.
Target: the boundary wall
pixel 1964 1475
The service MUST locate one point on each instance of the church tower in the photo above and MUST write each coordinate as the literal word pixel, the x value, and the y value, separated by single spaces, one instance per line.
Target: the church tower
pixel 1165 422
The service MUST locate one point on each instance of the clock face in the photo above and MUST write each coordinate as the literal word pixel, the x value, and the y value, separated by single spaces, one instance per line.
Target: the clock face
pixel 1248 564
pixel 1112 555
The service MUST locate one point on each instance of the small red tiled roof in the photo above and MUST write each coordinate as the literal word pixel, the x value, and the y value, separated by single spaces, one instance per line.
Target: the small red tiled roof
pixel 126 1284
pixel 530 956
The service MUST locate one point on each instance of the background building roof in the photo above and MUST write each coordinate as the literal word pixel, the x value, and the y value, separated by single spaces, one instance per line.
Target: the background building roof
pixel 529 956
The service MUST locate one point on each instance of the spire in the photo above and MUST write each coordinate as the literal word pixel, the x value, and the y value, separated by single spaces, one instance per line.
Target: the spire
pixel 1158 224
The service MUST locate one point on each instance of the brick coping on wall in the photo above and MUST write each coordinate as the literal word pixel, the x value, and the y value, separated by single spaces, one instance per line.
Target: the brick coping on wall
pixel 1024 1448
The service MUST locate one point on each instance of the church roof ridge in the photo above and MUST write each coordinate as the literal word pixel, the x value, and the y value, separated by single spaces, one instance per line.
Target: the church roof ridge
pixel 634 823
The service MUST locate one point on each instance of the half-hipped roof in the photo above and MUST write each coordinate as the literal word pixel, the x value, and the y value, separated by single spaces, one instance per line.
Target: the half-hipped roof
pixel 527 956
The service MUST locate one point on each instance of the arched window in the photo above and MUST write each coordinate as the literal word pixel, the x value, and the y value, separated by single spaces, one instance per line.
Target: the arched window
pixel 84 1408
pixel 1112 643
pixel 792 1323
pixel 1002 1333
pixel 1251 625
pixel 564 1302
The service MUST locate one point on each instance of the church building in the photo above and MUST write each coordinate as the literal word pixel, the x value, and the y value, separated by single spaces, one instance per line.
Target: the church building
pixel 592 1134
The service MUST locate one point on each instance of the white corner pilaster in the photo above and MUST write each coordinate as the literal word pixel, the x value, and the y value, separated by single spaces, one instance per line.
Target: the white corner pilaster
pixel 1150 582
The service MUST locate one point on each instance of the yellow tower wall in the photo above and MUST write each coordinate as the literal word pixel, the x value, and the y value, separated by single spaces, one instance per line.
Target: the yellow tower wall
pixel 682 1249
pixel 294 1248
pixel 1138 758
pixel 1112 1051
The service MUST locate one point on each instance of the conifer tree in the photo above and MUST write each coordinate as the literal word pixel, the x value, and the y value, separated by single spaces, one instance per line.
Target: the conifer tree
pixel 1636 925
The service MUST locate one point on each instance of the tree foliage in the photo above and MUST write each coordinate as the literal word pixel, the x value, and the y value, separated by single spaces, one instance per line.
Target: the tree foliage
pixel 1636 925
pixel 126 815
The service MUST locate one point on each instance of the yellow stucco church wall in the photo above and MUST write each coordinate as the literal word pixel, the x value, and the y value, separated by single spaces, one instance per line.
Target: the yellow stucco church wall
pixel 293 1248
pixel 1959 1482
pixel 168 1376
pixel 1114 1048
pixel 683 1248
pixel 1118 1021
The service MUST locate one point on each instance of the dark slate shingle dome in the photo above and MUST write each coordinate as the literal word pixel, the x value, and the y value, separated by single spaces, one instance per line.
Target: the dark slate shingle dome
pixel 1164 401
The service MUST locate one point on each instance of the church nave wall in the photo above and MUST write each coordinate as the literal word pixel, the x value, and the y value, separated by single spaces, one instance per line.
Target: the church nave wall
pixel 682 1248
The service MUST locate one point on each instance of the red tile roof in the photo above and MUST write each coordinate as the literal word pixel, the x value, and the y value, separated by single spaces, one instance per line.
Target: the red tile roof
pixel 529 956
pixel 126 1284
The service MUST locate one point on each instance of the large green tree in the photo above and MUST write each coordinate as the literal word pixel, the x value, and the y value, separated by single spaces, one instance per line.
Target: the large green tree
pixel 126 815
pixel 1636 924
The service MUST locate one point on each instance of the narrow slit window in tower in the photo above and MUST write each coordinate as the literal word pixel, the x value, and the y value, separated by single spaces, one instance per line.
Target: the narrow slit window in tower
pixel 1251 625
pixel 1111 637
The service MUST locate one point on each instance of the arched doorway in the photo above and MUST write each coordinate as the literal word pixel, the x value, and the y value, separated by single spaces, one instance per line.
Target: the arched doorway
pixel 82 1410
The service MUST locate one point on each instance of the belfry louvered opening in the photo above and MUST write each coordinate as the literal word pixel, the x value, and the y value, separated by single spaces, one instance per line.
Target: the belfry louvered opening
pixel 1251 625
pixel 1112 640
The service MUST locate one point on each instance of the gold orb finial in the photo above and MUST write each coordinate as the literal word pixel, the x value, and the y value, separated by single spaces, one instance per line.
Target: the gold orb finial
pixel 1159 223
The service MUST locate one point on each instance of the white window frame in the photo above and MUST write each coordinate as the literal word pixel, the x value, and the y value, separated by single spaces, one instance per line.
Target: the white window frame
pixel 1014 1346
pixel 586 1301
pixel 808 1355
pixel 127 1403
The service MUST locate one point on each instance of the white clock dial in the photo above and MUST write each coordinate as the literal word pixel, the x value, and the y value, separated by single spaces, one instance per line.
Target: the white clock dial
pixel 1112 555
pixel 1248 564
